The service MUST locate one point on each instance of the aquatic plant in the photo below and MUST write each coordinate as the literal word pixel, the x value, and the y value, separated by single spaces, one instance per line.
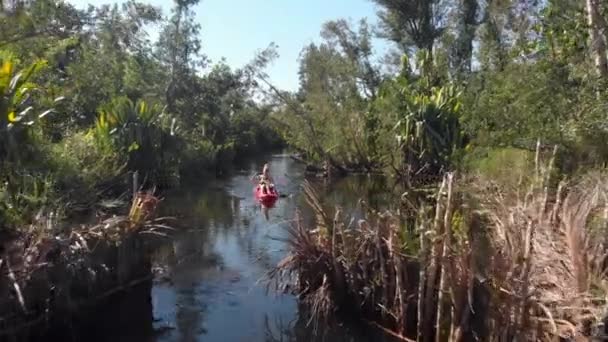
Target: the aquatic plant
pixel 493 264
pixel 357 266
pixel 48 271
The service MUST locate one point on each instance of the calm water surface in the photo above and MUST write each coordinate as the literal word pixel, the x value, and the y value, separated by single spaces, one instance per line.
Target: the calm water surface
pixel 215 289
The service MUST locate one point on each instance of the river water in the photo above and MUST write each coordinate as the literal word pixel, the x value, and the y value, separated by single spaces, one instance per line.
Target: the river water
pixel 216 263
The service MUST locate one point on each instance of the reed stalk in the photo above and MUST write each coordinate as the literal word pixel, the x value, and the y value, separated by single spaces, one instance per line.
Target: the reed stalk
pixel 536 274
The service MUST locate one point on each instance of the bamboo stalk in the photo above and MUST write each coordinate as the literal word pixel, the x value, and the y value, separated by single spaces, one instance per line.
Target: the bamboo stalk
pixel 422 277
pixel 399 291
pixel 432 271
pixel 525 278
pixel 440 293
pixel 443 270
pixel 467 309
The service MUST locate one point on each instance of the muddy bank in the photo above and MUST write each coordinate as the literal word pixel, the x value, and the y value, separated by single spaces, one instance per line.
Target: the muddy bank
pixel 330 168
pixel 72 284
pixel 65 297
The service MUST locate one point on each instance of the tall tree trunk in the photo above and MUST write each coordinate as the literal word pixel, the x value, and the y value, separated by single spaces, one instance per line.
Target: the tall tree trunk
pixel 467 35
pixel 170 91
pixel 598 43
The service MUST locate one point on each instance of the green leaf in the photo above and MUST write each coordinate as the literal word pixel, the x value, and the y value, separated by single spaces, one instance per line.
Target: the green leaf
pixel 134 147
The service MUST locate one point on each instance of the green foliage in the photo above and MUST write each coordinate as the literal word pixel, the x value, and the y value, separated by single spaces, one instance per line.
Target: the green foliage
pixel 23 196
pixel 142 131
pixel 17 113
pixel 426 123
pixel 562 31
pixel 252 131
pixel 128 103
pixel 585 131
pixel 88 90
pixel 84 166
pixel 159 107
pixel 506 167
pixel 337 83
pixel 519 105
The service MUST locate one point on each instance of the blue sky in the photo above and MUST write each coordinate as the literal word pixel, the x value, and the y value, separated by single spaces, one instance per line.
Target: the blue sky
pixel 236 29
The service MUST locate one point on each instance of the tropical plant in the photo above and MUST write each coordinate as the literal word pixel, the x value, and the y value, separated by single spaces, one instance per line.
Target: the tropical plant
pixel 141 130
pixel 426 123
pixel 17 112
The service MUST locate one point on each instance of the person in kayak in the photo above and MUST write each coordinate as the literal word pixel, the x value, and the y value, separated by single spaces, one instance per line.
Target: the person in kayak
pixel 265 180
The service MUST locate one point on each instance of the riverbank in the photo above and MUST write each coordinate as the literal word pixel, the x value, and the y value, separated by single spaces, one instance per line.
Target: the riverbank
pixel 329 168
pixel 480 260
pixel 58 274
pixel 57 281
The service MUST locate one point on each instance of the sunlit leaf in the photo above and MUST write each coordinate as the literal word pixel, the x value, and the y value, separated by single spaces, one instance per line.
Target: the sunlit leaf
pixel 24 112
pixel 45 113
pixel 7 68
pixel 12 86
pixel 133 147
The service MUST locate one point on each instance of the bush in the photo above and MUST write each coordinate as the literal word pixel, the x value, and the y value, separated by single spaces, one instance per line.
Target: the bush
pixel 519 105
pixel 426 121
pixel 24 196
pixel 505 166
pixel 84 167
pixel 199 155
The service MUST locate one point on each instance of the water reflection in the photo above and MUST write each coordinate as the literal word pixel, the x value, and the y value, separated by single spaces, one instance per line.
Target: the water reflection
pixel 302 329
pixel 227 243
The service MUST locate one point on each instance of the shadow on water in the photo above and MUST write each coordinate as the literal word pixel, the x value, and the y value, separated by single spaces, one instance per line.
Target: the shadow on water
pixel 226 244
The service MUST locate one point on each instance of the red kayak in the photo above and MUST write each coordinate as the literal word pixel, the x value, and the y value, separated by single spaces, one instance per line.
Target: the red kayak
pixel 266 198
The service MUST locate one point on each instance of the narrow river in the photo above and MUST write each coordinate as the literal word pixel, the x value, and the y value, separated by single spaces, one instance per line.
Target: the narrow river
pixel 216 264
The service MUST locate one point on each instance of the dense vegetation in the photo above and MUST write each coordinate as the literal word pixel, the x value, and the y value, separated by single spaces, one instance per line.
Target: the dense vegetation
pixel 477 93
pixel 484 88
pixel 464 80
pixel 87 99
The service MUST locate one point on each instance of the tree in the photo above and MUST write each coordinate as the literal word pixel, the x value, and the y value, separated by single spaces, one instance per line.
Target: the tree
pixel 338 80
pixel 412 24
pixel 43 21
pixel 562 32
pixel 357 48
pixel 597 38
pixel 467 23
pixel 117 42
pixel 179 48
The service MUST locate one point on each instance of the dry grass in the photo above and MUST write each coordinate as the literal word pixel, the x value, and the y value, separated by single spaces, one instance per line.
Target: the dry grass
pixel 43 264
pixel 493 264
pixel 549 252
pixel 357 266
